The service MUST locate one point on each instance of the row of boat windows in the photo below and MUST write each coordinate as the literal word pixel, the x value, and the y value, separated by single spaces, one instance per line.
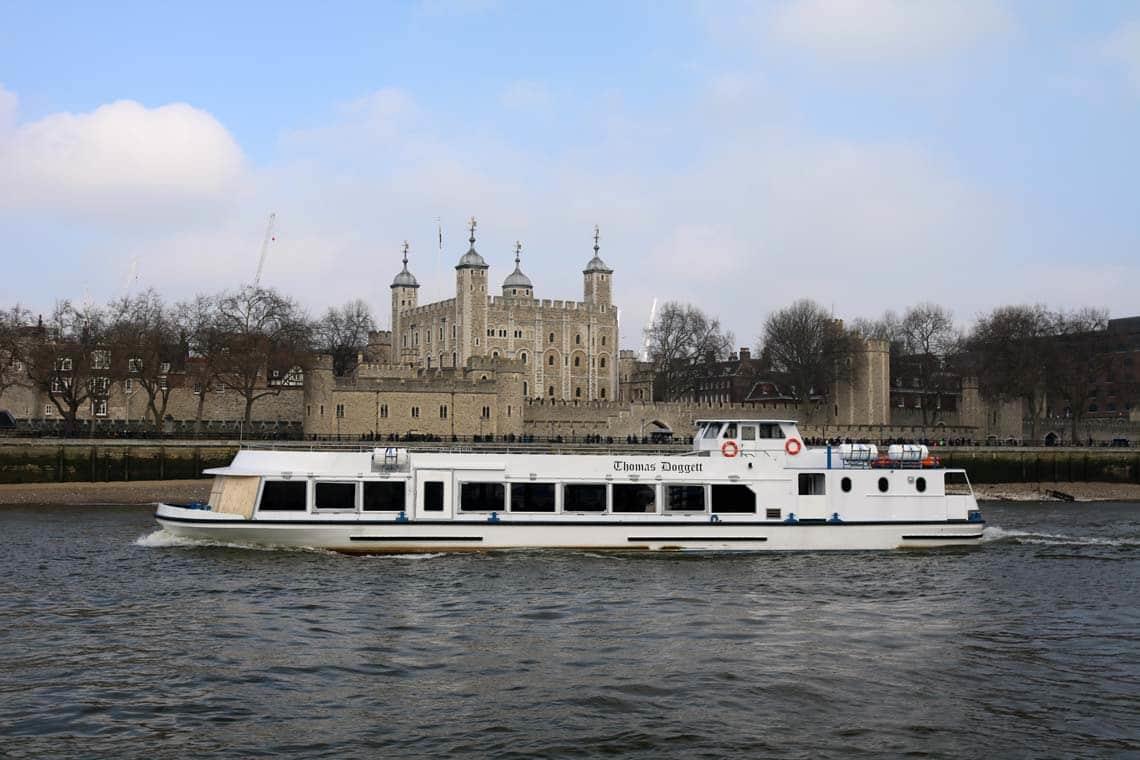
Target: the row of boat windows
pixel 744 432
pixel 532 497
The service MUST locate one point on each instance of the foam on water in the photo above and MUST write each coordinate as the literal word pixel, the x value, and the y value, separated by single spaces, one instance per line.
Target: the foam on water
pixel 162 539
pixel 996 533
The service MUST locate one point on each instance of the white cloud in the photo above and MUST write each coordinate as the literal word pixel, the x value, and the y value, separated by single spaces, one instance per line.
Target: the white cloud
pixel 1123 48
pixel 9 106
pixel 121 158
pixel 882 30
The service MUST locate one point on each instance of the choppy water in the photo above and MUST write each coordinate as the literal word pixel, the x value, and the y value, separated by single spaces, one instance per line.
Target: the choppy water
pixel 116 641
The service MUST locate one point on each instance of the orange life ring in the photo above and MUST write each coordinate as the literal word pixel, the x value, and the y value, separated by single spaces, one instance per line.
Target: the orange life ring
pixel 730 449
pixel 793 447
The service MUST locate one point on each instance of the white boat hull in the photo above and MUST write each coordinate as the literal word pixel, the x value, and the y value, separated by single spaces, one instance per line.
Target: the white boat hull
pixel 378 537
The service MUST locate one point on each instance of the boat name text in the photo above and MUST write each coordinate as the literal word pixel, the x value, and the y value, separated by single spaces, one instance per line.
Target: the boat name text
pixel 687 467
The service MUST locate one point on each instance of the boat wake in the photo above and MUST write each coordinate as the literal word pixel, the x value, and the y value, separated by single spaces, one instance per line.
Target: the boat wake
pixel 161 539
pixel 994 533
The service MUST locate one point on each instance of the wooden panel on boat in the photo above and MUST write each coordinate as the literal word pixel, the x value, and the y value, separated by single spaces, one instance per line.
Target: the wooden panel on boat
pixel 234 495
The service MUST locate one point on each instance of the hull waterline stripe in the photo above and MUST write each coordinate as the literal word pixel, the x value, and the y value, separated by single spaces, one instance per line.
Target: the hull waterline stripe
pixel 942 537
pixel 415 538
pixel 506 522
pixel 695 539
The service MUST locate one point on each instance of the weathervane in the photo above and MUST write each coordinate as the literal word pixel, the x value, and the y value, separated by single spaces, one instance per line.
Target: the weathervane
pixel 405 254
pixel 597 234
pixel 518 252
pixel 472 222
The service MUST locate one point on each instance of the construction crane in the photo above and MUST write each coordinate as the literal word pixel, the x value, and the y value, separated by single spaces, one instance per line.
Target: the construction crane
pixel 652 316
pixel 265 248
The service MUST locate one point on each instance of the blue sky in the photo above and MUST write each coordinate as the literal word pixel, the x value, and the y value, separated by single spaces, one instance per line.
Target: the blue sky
pixel 736 155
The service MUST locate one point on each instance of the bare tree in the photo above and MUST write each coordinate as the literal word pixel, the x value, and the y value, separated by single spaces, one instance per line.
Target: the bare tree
pixel 72 364
pixel 1012 356
pixel 343 333
pixel 262 331
pixel 683 341
pixel 930 341
pixel 13 347
pixel 809 347
pixel 1080 360
pixel 205 343
pixel 143 333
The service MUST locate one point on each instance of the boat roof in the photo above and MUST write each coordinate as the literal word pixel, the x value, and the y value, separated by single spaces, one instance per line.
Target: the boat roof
pixel 748 419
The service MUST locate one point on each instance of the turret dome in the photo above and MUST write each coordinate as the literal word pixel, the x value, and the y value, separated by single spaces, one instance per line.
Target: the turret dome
pixel 596 264
pixel 404 278
pixel 471 259
pixel 517 279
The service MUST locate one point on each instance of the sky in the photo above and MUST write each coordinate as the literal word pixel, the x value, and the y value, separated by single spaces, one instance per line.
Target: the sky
pixel 739 156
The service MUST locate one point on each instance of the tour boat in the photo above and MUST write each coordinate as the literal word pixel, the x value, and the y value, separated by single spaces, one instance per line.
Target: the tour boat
pixel 750 485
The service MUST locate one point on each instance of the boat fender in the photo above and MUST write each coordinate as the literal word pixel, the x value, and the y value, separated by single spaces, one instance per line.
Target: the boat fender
pixel 791 519
pixel 493 518
pixel 714 518
pixel 730 449
pixel 402 517
pixel 834 519
pixel 793 446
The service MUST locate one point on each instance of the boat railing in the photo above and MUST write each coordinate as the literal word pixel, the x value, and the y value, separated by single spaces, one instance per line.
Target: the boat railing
pixel 469 448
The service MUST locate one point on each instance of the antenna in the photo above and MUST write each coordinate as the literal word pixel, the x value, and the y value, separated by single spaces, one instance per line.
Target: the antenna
pixel 265 248
pixel 652 316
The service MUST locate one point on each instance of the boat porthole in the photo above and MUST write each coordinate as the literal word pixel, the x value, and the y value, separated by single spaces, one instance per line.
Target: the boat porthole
pixel 920 485
pixel 845 484
pixel 883 485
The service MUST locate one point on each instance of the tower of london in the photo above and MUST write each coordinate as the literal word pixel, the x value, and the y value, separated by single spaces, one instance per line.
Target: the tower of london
pixel 567 349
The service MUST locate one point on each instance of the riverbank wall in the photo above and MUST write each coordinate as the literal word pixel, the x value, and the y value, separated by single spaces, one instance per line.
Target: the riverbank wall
pixel 54 461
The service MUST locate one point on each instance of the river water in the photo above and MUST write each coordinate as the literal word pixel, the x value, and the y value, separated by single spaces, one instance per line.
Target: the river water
pixel 118 641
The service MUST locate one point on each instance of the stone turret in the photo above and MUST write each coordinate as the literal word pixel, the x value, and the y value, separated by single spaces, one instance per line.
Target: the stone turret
pixel 597 278
pixel 517 284
pixel 404 298
pixel 471 301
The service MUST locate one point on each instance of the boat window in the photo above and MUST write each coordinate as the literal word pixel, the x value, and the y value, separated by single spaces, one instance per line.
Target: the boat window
pixel 482 497
pixel 920 484
pixel 334 496
pixel 733 497
pixel 957 484
pixel 634 497
pixel 884 485
pixel 748 432
pixel 812 484
pixel 771 430
pixel 532 497
pixel 845 484
pixel 729 430
pixel 685 498
pixel 433 495
pixel 772 514
pixel 283 495
pixel 387 495
pixel 712 430
pixel 584 497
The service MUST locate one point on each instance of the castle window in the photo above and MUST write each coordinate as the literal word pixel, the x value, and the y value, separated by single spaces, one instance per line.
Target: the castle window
pixel 490 332
pixel 550 360
pixel 443 412
pixel 514 292
pixel 525 388
pixel 383 410
pixel 495 354
pixel 486 412
pixel 322 410
pixel 523 357
pixel 550 391
pixel 415 411
pixel 502 333
pixel 508 411
pixel 603 340
pixel 578 339
pixel 340 410
pixel 551 337
pixel 602 362
pixel 99 407
pixel 602 392
pixel 578 392
pixel 441 333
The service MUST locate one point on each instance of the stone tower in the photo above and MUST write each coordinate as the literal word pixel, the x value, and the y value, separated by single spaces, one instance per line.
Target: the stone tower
pixel 471 302
pixel 404 295
pixel 597 279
